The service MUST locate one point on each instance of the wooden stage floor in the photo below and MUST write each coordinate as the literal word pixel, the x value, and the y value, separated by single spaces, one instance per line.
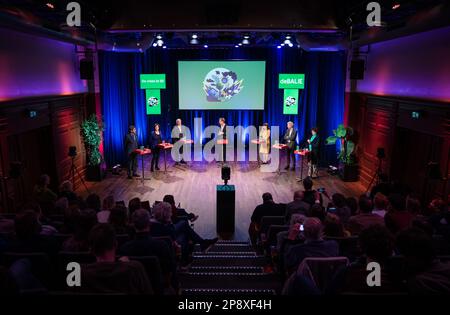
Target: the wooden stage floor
pixel 194 186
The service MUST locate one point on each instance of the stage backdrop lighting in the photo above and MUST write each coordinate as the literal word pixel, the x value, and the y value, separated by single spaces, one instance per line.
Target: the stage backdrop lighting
pixel 221 85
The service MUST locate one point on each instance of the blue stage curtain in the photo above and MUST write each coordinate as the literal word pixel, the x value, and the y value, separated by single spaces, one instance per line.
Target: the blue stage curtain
pixel 123 103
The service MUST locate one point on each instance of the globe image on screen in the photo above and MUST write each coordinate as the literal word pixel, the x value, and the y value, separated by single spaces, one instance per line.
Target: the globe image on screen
pixel 290 101
pixel 221 84
pixel 152 101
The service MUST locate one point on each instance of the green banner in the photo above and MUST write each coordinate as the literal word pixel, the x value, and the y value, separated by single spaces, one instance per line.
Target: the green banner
pixel 290 102
pixel 153 81
pixel 291 81
pixel 153 101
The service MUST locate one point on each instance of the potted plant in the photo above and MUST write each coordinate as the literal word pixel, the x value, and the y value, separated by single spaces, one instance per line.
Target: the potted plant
pixel 91 131
pixel 348 167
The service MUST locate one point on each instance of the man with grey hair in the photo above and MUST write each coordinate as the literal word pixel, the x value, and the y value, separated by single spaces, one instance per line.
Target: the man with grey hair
pixel 290 139
pixel 297 206
pixel 314 245
pixel 144 245
pixel 179 132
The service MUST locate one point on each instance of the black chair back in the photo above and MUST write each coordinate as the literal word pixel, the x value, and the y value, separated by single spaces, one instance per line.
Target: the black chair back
pixel 154 273
pixel 267 221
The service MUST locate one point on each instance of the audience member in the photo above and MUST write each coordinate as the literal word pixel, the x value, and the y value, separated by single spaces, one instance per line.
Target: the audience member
pixel 377 245
pixel 365 218
pixel 425 274
pixel 267 208
pixel 309 195
pixel 44 195
pixel 108 204
pixel 352 203
pixel 397 218
pixel 178 213
pixel 107 275
pixel 340 208
pixel 144 245
pixel 119 220
pixel 314 245
pixel 79 241
pixel 317 211
pixel 333 227
pixel 133 205
pixel 380 202
pixel 66 190
pixel 93 202
pixel 296 206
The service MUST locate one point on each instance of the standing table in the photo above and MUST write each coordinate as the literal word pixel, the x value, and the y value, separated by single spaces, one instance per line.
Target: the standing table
pixel 281 147
pixel 142 153
pixel 258 143
pixel 302 153
pixel 165 147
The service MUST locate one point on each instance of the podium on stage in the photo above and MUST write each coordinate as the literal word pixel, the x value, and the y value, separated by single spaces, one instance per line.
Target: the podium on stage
pixel 225 210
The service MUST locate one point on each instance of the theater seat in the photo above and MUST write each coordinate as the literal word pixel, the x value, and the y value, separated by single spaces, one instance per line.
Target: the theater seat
pixel 41 265
pixel 154 273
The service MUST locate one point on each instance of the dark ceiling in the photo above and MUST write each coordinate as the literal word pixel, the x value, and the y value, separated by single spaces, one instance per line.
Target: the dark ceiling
pixel 134 25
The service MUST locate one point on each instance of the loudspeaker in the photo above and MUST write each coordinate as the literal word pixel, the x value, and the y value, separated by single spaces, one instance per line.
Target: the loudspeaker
pixel 380 153
pixel 225 210
pixel 357 68
pixel 226 173
pixel 72 151
pixel 86 69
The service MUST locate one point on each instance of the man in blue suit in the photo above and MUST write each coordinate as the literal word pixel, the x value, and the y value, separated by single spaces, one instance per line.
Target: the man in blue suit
pixel 131 145
pixel 290 139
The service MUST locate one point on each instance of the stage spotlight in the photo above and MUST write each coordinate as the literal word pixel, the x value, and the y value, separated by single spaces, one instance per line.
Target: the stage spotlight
pixel 50 5
pixel 158 36
pixel 245 41
pixel 193 41
pixel 291 45
pixel 236 46
pixel 240 44
pixel 288 37
pixel 205 46
pixel 164 47
pixel 194 36
pixel 279 46
pixel 282 44
pixel 246 37
pixel 155 44
pixel 138 44
pixel 287 41
pixel 160 42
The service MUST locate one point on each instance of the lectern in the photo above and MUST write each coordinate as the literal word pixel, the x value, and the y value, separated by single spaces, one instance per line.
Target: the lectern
pixel 225 213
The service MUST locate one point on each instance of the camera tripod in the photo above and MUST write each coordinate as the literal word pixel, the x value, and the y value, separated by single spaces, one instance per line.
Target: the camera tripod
pixel 376 175
pixel 73 171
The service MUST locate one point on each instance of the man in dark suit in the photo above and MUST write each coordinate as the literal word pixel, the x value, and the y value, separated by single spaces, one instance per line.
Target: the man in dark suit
pixel 131 145
pixel 289 139
pixel 314 245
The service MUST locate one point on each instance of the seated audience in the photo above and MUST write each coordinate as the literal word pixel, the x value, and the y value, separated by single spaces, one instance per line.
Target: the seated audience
pixel 108 204
pixel 380 203
pixel 309 195
pixel 133 205
pixel 119 220
pixel 296 206
pixel 352 203
pixel 61 205
pixel 333 227
pixel 28 236
pixel 66 190
pixel 317 211
pixel 144 245
pixel 425 274
pixel 340 208
pixel 178 212
pixel 43 195
pixel 267 208
pixel 107 275
pixel 314 245
pixel 377 245
pixel 365 218
pixel 397 218
pixel 181 232
pixel 294 234
pixel 79 241
pixel 46 228
pixel 93 202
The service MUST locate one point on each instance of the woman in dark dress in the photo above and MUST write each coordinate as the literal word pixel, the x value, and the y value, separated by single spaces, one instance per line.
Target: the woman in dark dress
pixel 155 139
pixel 313 156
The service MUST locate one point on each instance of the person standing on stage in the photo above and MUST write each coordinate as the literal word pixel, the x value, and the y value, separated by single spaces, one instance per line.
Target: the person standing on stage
pixel 155 139
pixel 290 138
pixel 178 133
pixel 131 144
pixel 264 146
pixel 222 135
pixel 313 156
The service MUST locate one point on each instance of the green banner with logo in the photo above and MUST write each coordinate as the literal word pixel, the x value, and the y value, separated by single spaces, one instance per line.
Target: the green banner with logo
pixel 153 83
pixel 290 106
pixel 153 101
pixel 291 83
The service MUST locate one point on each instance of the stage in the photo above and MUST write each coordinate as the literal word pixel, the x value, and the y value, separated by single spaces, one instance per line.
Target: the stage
pixel 194 186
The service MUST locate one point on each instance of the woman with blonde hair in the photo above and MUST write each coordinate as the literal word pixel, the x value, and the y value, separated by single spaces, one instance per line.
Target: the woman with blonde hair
pixel 264 147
